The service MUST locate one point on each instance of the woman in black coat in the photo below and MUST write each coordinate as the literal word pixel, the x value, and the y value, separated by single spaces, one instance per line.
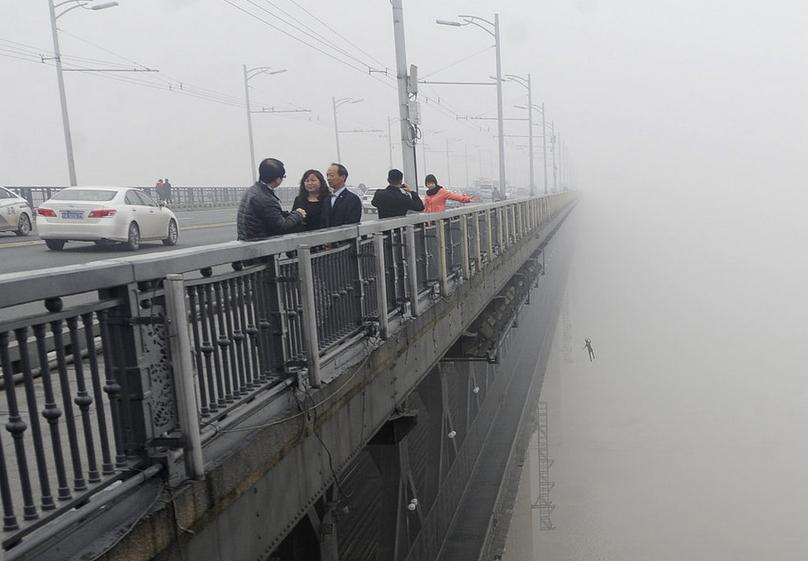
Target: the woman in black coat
pixel 312 198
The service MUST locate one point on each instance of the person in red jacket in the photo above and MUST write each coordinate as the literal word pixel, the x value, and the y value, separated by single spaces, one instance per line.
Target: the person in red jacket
pixel 436 196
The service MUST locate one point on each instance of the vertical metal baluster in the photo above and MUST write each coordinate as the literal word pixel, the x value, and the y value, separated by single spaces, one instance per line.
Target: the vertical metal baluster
pixel 83 399
pixel 252 328
pixel 381 289
pixel 209 348
pixel 309 328
pixel 443 273
pixel 226 323
pixel 21 335
pixel 16 426
pixel 112 388
pixel 222 341
pixel 51 413
pixel 264 323
pixel 219 358
pixel 412 269
pixel 79 484
pixel 204 410
pixel 98 396
pixel 464 246
pixel 335 274
pixel 234 330
pixel 244 354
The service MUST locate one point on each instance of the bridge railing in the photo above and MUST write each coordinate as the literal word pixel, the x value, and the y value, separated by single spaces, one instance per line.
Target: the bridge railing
pixel 106 367
pixel 181 197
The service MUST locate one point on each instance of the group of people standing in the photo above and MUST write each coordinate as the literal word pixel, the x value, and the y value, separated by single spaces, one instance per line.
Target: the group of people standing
pixel 163 189
pixel 325 202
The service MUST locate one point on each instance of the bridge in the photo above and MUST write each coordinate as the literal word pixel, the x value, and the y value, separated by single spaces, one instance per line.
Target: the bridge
pixel 364 392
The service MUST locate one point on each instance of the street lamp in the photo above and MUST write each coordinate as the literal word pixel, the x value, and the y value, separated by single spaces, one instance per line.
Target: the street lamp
pixel 492 28
pixel 249 74
pixel 338 103
pixel 540 108
pixel 70 5
pixel 525 83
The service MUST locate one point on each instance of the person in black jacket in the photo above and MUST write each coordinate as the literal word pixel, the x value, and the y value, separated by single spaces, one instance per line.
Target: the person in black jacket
pixel 259 213
pixel 312 198
pixel 345 207
pixel 397 198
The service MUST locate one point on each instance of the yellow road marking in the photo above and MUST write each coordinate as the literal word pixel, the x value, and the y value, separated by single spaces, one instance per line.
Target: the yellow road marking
pixel 183 229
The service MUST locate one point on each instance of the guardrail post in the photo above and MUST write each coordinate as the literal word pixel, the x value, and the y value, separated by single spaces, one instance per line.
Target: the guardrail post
pixel 309 324
pixel 490 236
pixel 381 284
pixel 443 271
pixel 464 245
pixel 412 268
pixel 477 242
pixel 500 231
pixel 183 369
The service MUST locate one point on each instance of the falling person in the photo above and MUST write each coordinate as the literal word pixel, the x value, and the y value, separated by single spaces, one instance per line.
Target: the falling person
pixel 588 347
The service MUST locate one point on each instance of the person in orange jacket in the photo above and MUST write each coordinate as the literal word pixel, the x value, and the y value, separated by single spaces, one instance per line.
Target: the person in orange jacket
pixel 436 196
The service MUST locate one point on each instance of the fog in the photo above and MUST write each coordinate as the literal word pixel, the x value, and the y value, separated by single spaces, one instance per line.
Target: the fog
pixel 685 122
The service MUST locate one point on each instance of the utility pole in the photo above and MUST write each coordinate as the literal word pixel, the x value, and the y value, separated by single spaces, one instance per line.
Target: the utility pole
pixel 405 88
pixel 71 166
pixel 525 83
pixel 553 151
pixel 390 140
pixel 249 125
pixel 544 145
pixel 336 128
pixel 500 123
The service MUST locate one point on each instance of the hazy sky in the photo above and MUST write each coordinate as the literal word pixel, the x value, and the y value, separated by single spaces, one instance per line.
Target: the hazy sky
pixel 652 95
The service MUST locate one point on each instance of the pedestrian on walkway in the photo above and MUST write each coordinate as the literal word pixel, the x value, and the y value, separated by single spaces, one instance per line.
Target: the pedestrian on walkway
pixel 398 198
pixel 159 188
pixel 167 189
pixel 588 347
pixel 345 207
pixel 436 196
pixel 260 214
pixel 312 197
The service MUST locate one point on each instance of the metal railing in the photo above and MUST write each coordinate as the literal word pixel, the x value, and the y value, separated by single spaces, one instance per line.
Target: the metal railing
pixel 134 358
pixel 181 197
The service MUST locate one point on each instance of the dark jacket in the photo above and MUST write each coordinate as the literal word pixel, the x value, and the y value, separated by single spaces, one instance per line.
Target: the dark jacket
pixel 260 215
pixel 393 202
pixel 315 213
pixel 347 209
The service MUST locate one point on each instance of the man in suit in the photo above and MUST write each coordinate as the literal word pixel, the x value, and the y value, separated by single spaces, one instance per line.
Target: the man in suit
pixel 345 207
pixel 260 214
pixel 397 198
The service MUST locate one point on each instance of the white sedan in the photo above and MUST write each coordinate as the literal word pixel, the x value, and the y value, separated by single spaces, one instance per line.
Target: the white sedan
pixel 103 215
pixel 15 214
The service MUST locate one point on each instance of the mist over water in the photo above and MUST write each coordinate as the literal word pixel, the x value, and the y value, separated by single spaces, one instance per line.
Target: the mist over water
pixel 684 439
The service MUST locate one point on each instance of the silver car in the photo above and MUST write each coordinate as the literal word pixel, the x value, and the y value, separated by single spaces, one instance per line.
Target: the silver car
pixel 15 214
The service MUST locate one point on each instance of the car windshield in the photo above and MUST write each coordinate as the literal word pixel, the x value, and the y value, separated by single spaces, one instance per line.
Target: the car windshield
pixel 84 195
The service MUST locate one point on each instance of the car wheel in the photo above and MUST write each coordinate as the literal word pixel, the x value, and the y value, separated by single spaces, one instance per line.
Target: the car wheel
pixel 133 241
pixel 23 226
pixel 173 234
pixel 55 245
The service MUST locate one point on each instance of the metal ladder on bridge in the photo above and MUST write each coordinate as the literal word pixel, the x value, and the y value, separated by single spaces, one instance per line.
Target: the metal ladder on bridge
pixel 543 503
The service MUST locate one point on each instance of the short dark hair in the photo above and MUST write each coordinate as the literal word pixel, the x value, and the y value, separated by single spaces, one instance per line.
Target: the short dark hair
pixel 270 169
pixel 430 179
pixel 395 177
pixel 342 171
pixel 323 192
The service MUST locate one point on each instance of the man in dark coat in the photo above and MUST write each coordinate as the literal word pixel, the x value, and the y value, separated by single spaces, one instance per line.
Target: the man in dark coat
pixel 345 207
pixel 397 198
pixel 260 214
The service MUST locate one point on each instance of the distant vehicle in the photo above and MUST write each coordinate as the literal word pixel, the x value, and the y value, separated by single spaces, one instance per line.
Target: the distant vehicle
pixel 15 214
pixel 105 215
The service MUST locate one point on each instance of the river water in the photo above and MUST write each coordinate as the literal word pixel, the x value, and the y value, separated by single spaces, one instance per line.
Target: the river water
pixel 685 438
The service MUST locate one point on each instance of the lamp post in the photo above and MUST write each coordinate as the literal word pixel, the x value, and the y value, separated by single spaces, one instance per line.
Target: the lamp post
pixel 71 5
pixel 492 28
pixel 337 103
pixel 525 82
pixel 250 73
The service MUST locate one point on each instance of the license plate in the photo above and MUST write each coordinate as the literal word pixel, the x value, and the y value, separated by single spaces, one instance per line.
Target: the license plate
pixel 72 214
